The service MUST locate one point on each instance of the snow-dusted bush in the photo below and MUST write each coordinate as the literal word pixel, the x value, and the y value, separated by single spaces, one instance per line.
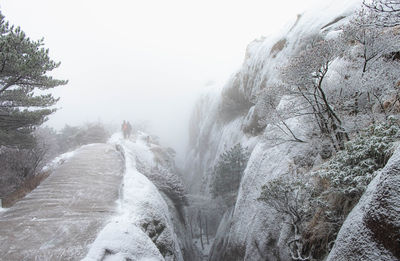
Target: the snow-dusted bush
pixel 21 165
pixel 388 11
pixel 350 171
pixel 290 196
pixel 170 184
pixel 332 190
pixel 342 180
pixel 71 137
pixel 18 165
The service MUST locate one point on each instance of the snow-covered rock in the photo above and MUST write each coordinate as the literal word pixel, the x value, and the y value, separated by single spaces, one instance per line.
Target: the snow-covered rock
pixel 148 225
pixel 372 229
pixel 211 130
pixel 254 231
pixel 251 231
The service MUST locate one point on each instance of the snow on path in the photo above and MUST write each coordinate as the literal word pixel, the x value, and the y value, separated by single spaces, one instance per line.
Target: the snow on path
pixel 124 237
pixel 62 217
pixel 57 161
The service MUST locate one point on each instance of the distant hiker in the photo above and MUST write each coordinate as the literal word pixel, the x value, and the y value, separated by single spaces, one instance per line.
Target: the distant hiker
pixel 128 129
pixel 124 129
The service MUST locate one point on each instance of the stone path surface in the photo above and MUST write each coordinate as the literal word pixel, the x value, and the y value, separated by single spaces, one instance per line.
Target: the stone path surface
pixel 62 217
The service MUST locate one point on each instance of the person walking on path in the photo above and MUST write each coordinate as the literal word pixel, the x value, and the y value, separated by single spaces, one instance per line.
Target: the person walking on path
pixel 128 129
pixel 124 129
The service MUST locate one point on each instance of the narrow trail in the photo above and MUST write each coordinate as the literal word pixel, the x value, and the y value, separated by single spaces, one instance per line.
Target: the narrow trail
pixel 62 217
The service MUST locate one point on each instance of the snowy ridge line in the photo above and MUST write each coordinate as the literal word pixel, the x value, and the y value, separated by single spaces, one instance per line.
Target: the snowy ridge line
pixel 143 222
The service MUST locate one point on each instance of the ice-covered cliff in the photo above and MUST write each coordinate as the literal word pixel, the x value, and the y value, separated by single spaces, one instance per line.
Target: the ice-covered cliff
pixel 250 230
pixel 231 114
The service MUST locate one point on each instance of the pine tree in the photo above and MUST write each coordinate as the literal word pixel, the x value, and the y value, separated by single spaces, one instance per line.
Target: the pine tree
pixel 23 67
pixel 228 172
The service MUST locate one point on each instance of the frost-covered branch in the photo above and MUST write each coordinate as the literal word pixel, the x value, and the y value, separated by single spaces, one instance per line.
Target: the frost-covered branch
pixel 388 11
pixel 289 196
pixel 305 76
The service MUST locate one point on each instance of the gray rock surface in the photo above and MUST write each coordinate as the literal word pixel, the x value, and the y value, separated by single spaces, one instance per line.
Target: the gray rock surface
pixel 62 217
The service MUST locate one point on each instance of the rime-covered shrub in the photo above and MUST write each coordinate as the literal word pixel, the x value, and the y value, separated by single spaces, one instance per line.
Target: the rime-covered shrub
pixel 169 183
pixel 71 137
pixel 287 195
pixel 317 205
pixel 342 180
pixel 290 195
pixel 20 164
pixel 350 171
pixel 164 175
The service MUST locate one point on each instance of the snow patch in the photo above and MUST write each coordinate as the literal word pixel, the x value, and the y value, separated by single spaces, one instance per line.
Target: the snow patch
pixel 57 161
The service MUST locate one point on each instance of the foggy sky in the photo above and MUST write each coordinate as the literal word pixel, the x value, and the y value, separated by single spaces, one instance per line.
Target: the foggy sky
pixel 144 60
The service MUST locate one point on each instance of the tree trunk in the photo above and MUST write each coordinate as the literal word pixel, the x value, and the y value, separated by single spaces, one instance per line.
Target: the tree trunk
pixel 191 225
pixel 201 230
pixel 208 242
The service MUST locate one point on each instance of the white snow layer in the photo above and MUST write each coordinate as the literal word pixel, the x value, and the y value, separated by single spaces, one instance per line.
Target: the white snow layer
pixel 141 206
pixel 57 161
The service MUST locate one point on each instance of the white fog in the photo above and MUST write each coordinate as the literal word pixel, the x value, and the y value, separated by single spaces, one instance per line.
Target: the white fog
pixel 144 60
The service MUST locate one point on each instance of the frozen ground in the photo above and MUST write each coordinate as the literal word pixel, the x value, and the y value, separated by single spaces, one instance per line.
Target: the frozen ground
pixel 62 217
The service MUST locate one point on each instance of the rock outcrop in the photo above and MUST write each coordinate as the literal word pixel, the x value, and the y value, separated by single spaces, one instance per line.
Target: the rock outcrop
pixel 371 232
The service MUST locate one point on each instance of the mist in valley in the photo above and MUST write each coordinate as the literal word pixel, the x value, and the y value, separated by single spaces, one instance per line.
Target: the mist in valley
pixel 144 61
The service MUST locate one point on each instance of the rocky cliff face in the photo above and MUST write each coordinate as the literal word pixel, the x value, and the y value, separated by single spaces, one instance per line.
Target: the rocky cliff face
pixel 250 230
pixel 232 114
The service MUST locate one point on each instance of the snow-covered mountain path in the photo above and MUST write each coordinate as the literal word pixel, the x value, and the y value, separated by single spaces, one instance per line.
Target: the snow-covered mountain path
pixel 62 217
pixel 143 229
